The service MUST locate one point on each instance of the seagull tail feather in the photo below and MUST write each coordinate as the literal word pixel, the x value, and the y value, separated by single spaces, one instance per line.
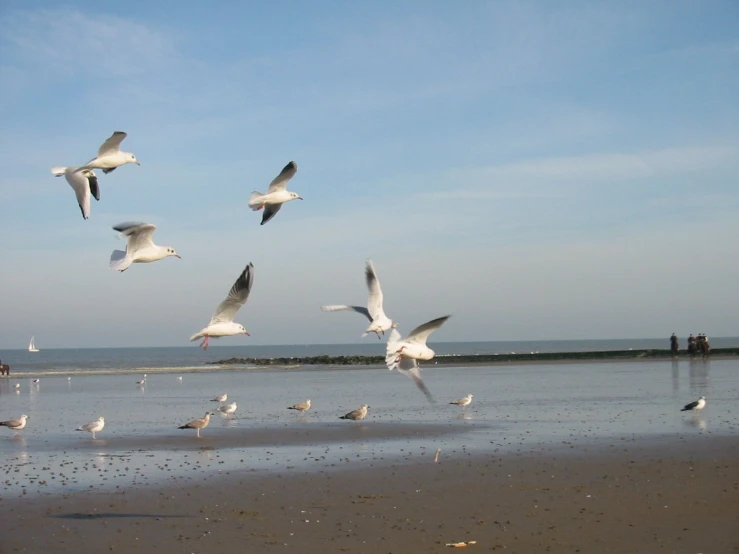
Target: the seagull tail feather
pixel 255 201
pixel 119 261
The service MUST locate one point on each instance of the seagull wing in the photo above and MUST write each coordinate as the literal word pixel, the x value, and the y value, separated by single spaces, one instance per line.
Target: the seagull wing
pixel 236 298
pixel 691 405
pixel 280 182
pixel 359 309
pixel 409 368
pixel 93 182
pixel 113 144
pixel 374 299
pixel 269 212
pixel 81 186
pixel 420 334
pixel 139 234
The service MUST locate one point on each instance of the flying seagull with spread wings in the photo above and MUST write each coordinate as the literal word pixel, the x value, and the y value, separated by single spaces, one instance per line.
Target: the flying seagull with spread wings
pixel 379 322
pixel 140 247
pixel 403 354
pixel 276 195
pixel 110 155
pixel 84 183
pixel 222 323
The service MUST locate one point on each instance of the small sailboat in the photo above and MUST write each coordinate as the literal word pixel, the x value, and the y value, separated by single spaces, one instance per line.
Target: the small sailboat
pixel 32 346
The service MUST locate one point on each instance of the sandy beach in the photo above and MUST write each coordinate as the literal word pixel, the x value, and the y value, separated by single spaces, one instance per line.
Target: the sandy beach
pixel 660 495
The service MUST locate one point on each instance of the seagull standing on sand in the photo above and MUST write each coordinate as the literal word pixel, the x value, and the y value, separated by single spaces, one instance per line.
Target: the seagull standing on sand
pixel 198 424
pixel 357 415
pixel 301 406
pixel 228 409
pixel 140 247
pixel 379 322
pixel 222 323
pixel 220 398
pixel 94 426
pixel 464 402
pixel 15 424
pixel 110 155
pixel 696 406
pixel 84 183
pixel 276 195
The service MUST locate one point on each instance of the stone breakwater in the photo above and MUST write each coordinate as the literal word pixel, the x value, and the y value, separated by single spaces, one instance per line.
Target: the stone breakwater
pixel 615 355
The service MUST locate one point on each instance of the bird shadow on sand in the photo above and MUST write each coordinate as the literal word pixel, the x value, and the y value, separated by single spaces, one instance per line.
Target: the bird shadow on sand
pixel 78 515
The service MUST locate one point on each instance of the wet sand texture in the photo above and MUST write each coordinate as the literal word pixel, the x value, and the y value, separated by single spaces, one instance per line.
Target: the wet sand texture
pixel 665 495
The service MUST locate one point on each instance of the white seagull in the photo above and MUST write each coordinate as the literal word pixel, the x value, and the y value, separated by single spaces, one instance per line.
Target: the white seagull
pixel 379 322
pixel 300 406
pixel 357 415
pixel 220 398
pixel 84 183
pixel 696 406
pixel 198 424
pixel 276 195
pixel 110 155
pixel 94 426
pixel 464 402
pixel 222 323
pixel 15 424
pixel 228 409
pixel 403 354
pixel 140 248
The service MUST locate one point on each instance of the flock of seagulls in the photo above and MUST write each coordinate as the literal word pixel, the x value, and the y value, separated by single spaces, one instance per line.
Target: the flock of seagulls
pixel 401 355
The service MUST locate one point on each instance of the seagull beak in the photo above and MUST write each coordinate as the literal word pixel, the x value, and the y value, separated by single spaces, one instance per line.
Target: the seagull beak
pixel 300 197
pixel 247 333
pixel 178 256
pixel 138 163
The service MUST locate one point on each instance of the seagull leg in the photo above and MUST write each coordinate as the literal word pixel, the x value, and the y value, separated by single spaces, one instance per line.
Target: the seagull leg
pixel 93 435
pixel 204 344
pixel 198 432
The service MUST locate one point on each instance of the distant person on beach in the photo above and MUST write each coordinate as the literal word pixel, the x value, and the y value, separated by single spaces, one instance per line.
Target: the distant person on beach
pixel 674 345
pixel 692 346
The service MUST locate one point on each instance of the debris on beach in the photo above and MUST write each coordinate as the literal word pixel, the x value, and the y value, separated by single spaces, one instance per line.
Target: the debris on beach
pixel 461 544
pixel 436 458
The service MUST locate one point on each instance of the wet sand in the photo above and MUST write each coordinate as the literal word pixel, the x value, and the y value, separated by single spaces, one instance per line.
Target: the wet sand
pixel 661 494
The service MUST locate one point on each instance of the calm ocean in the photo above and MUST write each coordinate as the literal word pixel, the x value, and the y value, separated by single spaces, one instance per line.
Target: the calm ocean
pixel 191 357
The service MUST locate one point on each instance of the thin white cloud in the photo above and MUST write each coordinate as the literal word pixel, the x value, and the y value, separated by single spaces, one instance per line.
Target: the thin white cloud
pixel 67 41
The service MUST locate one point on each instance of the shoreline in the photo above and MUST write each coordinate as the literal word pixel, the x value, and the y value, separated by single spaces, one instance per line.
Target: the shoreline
pixel 375 362
pixel 628 495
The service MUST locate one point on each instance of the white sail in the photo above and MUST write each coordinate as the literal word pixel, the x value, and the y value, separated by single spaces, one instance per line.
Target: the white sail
pixel 32 346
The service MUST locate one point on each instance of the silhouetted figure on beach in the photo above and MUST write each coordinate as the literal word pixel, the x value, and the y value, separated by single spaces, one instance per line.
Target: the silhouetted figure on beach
pixel 703 347
pixel 692 345
pixel 674 345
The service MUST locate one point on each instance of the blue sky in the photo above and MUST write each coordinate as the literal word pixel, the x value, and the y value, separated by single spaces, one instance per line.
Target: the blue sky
pixel 539 170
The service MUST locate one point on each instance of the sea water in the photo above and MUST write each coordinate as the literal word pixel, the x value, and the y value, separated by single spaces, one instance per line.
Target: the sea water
pixel 515 407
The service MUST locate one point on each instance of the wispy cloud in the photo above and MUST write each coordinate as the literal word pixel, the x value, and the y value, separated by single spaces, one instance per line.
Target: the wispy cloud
pixel 68 43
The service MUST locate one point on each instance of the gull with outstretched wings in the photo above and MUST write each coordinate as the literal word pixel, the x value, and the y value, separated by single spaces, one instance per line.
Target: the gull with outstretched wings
pixel 222 323
pixel 379 322
pixel 84 183
pixel 140 247
pixel 276 195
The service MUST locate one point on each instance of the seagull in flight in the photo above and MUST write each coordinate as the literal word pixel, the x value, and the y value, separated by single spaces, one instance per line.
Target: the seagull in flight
pixel 140 248
pixel 222 323
pixel 696 406
pixel 84 183
pixel 403 354
pixel 276 195
pixel 379 322
pixel 110 155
